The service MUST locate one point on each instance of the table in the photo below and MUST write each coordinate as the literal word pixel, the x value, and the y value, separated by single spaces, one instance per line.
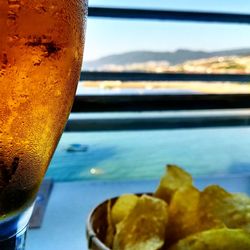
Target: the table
pixel 70 203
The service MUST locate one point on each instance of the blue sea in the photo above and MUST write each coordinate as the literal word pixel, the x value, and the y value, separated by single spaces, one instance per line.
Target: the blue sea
pixel 131 155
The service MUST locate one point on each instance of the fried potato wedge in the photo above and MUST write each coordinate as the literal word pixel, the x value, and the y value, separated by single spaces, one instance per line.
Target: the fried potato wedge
pixel 217 239
pixel 124 204
pixel 219 206
pixel 174 179
pixel 144 228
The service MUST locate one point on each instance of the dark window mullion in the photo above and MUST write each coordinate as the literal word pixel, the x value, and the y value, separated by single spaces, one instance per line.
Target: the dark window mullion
pixel 169 15
pixel 140 76
pixel 130 103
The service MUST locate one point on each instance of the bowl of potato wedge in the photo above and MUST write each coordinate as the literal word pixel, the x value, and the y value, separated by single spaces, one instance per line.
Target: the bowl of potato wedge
pixel 177 216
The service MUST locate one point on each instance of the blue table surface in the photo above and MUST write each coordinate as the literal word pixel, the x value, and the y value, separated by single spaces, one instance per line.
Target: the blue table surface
pixel 70 203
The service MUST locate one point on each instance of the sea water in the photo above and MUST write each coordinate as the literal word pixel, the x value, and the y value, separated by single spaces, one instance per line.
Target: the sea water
pixel 137 155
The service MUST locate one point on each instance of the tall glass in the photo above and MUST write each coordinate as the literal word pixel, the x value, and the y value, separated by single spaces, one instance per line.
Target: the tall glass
pixel 41 46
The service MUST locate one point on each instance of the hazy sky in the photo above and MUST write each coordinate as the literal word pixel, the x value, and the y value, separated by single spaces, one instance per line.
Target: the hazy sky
pixel 112 36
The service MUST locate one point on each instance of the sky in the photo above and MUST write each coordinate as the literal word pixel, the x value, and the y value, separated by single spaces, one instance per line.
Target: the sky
pixel 106 36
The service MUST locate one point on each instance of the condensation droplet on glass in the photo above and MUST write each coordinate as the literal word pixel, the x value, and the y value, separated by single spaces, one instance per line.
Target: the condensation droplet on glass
pixel 12 39
pixel 40 9
pixel 14 5
pixel 36 60
pixel 58 93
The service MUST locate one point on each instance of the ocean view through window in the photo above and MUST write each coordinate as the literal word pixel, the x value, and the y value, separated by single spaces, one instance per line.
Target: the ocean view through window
pixel 159 49
pixel 171 47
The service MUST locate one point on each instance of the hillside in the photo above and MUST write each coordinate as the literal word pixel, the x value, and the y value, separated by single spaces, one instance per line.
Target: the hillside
pixel 171 58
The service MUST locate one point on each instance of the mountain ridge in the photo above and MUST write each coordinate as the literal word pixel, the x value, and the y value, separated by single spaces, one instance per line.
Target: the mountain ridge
pixel 173 58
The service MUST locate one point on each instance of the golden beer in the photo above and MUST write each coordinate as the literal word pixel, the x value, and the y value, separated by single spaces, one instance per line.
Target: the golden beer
pixel 41 46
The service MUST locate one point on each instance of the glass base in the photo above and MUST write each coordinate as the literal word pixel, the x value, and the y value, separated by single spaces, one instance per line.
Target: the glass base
pixel 16 242
pixel 13 231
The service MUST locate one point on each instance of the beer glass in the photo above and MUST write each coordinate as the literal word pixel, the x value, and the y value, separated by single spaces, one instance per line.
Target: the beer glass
pixel 41 47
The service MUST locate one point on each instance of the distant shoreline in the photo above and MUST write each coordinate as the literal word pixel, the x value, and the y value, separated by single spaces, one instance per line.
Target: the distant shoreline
pixel 199 87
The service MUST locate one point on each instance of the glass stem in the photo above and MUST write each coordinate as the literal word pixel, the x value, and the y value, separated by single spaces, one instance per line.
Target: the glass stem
pixel 16 242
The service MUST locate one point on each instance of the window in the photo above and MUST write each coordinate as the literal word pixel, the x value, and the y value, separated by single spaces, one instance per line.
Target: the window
pixel 186 103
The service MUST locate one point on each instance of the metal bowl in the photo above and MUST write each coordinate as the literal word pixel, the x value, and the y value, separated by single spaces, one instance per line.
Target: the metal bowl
pixel 97 225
